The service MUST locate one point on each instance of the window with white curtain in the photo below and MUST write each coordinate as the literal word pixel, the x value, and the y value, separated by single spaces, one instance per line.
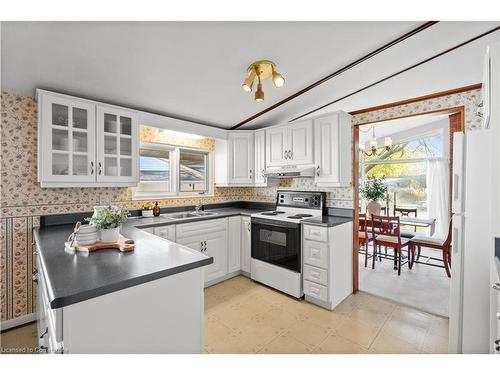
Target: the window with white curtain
pixel 405 168
pixel 167 171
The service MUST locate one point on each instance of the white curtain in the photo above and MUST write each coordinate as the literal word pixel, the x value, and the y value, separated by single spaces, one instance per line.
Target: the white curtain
pixel 438 195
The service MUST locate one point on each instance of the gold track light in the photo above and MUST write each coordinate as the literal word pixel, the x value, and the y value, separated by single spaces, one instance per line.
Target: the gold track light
pixel 262 69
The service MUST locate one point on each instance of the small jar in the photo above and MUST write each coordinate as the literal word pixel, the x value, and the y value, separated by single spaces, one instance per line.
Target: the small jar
pixel 156 210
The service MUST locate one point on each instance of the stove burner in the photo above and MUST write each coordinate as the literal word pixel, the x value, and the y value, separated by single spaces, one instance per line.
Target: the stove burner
pixel 273 213
pixel 299 216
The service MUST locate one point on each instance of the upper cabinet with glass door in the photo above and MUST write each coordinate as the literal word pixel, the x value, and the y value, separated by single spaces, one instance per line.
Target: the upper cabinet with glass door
pixel 116 145
pixel 78 146
pixel 66 140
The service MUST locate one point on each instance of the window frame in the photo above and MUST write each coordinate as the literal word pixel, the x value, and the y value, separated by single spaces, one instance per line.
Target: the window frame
pixel 138 194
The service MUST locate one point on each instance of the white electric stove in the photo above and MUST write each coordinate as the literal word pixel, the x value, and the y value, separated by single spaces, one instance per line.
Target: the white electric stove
pixel 277 240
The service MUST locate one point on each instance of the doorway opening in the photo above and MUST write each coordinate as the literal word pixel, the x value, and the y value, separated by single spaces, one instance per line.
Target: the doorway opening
pixel 402 204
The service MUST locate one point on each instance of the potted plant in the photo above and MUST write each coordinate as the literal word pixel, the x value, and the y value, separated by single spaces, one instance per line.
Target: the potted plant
pixel 108 221
pixel 373 190
pixel 147 209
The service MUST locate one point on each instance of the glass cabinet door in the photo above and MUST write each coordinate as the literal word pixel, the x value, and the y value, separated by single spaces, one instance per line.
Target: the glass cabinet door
pixel 117 154
pixel 67 141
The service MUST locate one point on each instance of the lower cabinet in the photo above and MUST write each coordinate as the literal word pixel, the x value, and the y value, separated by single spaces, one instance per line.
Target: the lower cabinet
pixel 234 244
pixel 227 240
pixel 210 238
pixel 327 264
pixel 246 243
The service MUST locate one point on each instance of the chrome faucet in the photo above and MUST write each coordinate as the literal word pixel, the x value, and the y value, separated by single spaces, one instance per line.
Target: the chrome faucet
pixel 198 207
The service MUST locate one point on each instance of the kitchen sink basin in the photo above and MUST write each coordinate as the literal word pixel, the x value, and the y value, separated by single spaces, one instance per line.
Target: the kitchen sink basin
pixel 186 215
pixel 204 213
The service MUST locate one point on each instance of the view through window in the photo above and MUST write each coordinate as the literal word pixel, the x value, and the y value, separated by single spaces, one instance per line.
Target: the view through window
pixel 405 170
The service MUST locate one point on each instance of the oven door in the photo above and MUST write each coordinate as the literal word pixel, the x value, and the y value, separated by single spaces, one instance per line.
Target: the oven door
pixel 277 243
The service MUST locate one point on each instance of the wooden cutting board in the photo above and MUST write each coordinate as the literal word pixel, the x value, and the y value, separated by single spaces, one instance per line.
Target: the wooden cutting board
pixel 123 244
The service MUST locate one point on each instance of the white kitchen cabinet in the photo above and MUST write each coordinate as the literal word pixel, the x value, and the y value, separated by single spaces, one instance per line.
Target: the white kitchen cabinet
pixel 165 231
pixel 260 158
pixel 241 157
pixel 246 243
pixel 210 237
pixel 117 151
pixel 234 159
pixel 234 244
pixel 66 140
pixel 327 264
pixel 276 146
pixel 82 143
pixel 289 144
pixel 300 143
pixel 333 149
pixel 216 247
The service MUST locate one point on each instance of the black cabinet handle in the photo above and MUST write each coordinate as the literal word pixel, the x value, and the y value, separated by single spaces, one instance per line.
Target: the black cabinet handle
pixel 34 276
pixel 44 333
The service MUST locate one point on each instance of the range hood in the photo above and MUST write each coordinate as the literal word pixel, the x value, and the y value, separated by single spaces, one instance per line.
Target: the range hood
pixel 288 171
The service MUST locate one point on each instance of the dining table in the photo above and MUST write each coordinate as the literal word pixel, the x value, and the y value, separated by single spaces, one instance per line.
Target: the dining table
pixel 429 223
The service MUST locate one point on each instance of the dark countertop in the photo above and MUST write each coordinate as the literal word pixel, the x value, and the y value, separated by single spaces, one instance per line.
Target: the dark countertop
pixel 77 277
pixel 148 222
pixel 73 278
pixel 327 221
pixel 91 275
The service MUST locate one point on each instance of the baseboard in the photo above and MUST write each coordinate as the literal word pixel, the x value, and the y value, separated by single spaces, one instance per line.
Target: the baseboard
pixel 12 323
pixel 318 302
pixel 223 278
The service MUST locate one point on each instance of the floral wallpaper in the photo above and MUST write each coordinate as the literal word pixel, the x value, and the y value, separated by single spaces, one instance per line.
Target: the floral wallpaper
pixel 22 201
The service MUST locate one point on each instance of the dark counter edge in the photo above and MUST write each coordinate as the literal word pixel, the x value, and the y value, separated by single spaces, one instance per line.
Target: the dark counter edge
pixel 83 296
pixel 71 218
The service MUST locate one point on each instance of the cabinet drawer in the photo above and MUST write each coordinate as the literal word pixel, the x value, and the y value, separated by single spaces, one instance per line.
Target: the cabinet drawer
pixel 315 290
pixel 314 233
pixel 200 227
pixel 167 232
pixel 316 253
pixel 318 275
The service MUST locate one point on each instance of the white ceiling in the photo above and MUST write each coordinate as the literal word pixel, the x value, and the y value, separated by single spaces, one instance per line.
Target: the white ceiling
pixel 194 70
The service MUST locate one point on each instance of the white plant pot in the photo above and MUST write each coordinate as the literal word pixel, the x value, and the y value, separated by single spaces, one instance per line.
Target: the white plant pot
pixel 373 208
pixel 147 213
pixel 109 235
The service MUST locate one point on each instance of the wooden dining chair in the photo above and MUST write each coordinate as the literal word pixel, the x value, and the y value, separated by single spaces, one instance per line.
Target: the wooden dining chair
pixel 386 232
pixel 364 236
pixel 443 244
pixel 400 211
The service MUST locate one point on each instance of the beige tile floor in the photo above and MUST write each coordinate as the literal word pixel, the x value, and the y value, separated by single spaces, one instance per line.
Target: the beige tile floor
pixel 242 316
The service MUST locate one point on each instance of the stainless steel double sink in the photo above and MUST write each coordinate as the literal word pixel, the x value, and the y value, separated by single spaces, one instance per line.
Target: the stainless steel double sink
pixel 189 214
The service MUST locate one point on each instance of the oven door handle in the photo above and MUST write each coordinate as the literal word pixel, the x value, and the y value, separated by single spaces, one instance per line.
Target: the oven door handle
pixel 274 223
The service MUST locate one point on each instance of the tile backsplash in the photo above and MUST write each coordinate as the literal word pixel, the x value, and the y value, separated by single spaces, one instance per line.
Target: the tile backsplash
pixel 22 200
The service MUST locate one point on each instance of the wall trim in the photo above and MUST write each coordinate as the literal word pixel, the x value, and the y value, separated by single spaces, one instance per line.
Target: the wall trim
pixel 450 110
pixel 433 95
pixel 12 323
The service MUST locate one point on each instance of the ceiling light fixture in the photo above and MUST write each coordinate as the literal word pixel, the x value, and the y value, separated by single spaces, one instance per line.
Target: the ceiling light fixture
pixel 374 145
pixel 262 69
